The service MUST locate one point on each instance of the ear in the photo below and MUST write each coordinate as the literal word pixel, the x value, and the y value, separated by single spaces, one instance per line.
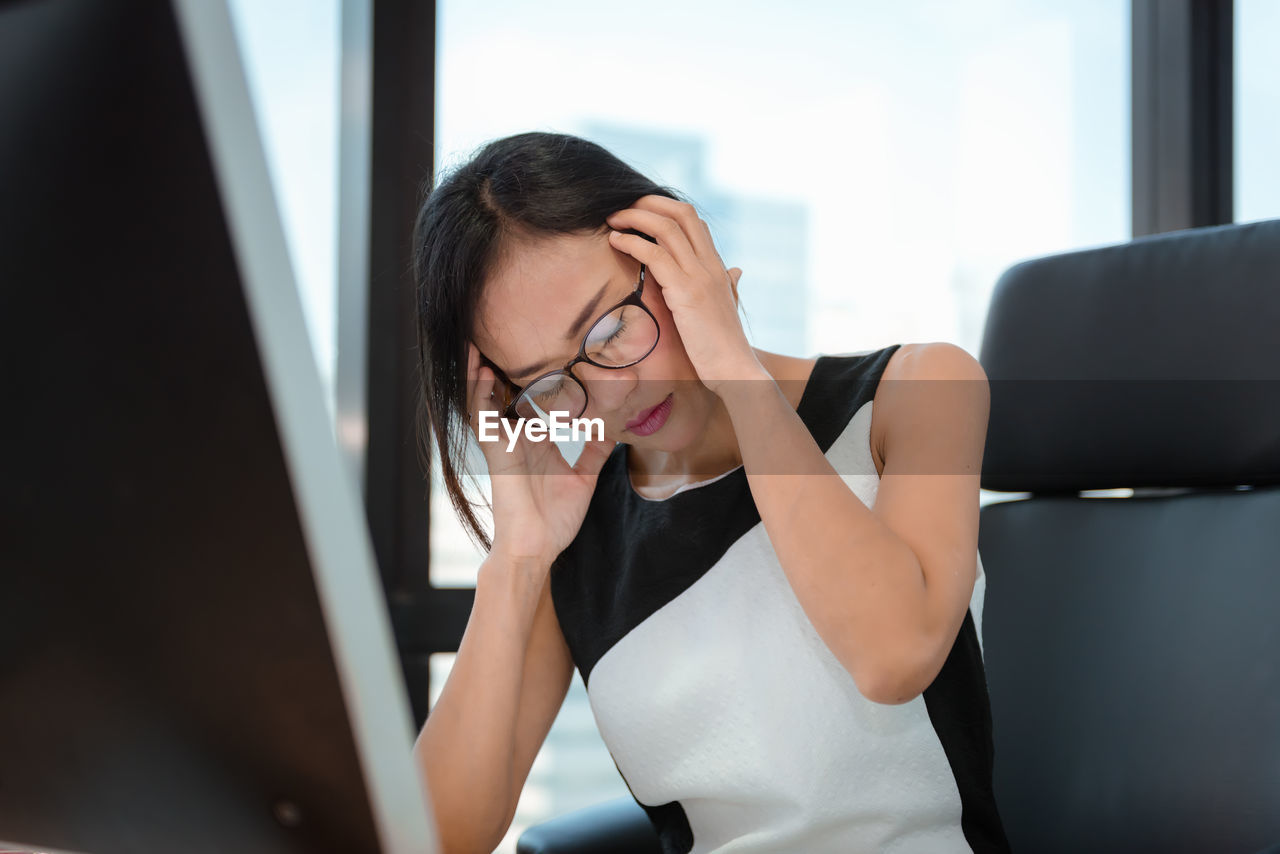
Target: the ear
pixel 735 273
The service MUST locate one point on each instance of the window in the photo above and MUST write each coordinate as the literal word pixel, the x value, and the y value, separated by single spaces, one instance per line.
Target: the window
pixel 872 168
pixel 1257 105
pixel 291 57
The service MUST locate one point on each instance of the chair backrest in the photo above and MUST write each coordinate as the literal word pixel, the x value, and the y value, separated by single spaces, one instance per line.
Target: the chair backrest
pixel 1132 645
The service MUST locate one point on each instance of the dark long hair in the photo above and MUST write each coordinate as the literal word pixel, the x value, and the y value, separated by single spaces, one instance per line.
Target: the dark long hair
pixel 513 189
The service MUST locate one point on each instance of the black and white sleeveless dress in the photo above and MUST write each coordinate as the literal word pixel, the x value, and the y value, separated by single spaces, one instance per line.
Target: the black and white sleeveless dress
pixel 730 720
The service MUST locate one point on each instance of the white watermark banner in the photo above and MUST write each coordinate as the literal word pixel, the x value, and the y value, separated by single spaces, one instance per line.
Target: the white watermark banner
pixel 558 427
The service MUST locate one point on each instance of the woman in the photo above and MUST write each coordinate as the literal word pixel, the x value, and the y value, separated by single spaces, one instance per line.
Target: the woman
pixel 779 660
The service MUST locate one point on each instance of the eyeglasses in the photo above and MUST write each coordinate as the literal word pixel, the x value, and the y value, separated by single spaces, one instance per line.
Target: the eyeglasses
pixel 620 338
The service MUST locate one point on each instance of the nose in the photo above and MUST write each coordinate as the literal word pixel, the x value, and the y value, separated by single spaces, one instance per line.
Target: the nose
pixel 608 389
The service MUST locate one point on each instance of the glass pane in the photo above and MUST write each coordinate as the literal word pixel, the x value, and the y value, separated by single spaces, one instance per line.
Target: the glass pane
pixel 455 558
pixel 1257 103
pixel 872 167
pixel 291 53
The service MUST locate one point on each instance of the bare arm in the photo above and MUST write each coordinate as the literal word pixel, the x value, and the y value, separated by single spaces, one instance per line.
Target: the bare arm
pixel 508 682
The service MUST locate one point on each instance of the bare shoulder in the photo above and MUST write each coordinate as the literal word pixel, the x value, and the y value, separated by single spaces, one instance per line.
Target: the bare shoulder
pixel 933 360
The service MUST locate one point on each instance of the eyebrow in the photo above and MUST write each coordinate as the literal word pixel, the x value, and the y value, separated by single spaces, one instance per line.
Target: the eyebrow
pixel 583 316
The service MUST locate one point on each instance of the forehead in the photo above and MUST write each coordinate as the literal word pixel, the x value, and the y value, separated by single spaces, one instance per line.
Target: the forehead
pixel 537 291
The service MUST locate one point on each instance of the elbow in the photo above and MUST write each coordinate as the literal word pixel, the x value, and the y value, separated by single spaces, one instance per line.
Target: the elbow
pixel 895 680
pixel 889 689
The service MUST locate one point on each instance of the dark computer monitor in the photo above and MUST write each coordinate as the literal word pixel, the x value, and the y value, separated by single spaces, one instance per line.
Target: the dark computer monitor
pixel 194 648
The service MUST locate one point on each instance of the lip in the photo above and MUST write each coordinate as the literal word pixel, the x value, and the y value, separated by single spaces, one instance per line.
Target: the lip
pixel 652 418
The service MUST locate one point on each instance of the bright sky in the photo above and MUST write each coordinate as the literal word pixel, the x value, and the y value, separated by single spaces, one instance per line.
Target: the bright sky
pixel 932 142
pixel 929 142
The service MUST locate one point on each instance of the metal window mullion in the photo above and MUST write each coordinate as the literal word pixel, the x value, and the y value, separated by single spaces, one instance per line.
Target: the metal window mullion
pixel 1182 114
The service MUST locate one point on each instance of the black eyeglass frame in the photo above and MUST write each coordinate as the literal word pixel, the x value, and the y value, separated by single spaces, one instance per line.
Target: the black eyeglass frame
pixel 634 298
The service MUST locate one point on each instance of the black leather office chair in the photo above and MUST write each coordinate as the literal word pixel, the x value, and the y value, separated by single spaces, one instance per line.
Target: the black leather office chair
pixel 1132 644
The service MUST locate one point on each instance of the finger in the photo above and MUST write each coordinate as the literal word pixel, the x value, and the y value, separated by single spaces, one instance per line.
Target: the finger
pixel 694 226
pixel 669 233
pixel 485 379
pixel 527 456
pixel 473 376
pixel 471 369
pixel 540 457
pixel 474 369
pixel 593 455
pixel 474 361
pixel 661 265
pixel 478 367
pixel 734 275
pixel 480 398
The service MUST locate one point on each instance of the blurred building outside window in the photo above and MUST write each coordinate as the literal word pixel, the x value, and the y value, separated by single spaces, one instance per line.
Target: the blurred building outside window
pixel 871 167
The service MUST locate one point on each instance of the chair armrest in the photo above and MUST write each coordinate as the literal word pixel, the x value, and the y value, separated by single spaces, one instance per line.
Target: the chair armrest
pixel 618 826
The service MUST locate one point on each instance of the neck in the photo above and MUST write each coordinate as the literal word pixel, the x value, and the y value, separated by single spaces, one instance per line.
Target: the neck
pixel 714 452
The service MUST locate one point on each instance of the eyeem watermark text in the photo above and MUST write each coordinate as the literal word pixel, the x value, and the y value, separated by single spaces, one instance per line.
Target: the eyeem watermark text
pixel 559 428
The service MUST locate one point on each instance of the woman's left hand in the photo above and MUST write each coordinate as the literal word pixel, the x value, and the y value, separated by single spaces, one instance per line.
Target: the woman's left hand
pixel 698 290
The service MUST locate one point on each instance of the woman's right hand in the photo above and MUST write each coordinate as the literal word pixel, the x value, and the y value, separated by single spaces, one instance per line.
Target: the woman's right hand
pixel 539 500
